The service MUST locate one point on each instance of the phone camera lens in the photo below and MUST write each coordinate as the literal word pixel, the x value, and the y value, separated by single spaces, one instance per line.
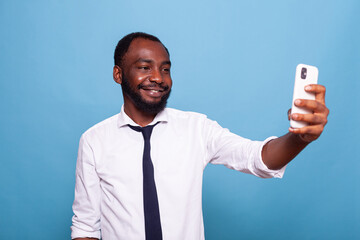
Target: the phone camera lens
pixel 303 73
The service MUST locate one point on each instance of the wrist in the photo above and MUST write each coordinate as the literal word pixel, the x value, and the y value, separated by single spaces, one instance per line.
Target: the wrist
pixel 300 139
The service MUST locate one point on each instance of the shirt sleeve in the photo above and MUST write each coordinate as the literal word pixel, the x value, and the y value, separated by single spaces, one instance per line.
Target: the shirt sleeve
pixel 86 206
pixel 236 152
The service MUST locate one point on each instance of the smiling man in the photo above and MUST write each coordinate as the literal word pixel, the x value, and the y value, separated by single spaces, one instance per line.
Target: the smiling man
pixel 144 75
pixel 139 173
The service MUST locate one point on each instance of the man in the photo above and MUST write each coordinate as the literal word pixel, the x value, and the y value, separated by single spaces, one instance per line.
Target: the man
pixel 133 186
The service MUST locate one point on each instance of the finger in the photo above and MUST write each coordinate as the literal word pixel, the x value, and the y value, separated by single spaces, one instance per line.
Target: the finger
pixel 319 91
pixel 310 118
pixel 312 105
pixel 312 130
pixel 289 114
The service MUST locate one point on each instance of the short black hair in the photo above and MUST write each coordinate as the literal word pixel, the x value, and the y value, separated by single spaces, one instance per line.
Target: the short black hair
pixel 124 44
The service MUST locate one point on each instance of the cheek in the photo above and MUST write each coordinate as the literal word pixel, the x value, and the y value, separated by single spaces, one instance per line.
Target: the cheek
pixel 139 76
pixel 168 81
pixel 136 79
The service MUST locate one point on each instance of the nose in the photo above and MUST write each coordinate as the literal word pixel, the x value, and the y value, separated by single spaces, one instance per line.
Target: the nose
pixel 156 77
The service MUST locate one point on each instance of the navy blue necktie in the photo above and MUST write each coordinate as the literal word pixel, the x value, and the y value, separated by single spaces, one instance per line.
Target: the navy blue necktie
pixel 151 205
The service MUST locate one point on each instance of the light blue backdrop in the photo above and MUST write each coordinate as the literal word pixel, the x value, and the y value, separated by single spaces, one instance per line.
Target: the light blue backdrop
pixel 232 60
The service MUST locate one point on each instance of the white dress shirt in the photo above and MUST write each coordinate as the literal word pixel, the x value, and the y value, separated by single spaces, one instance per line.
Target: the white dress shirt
pixel 108 192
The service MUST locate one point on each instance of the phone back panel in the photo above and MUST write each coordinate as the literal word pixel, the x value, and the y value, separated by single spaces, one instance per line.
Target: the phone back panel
pixel 305 75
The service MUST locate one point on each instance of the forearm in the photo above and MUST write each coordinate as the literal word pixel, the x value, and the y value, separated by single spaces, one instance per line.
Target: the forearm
pixel 280 151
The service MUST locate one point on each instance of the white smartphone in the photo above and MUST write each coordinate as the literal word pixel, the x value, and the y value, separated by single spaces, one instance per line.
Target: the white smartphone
pixel 305 75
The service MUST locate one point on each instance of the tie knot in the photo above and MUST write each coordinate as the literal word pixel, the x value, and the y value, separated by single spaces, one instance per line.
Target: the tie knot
pixel 146 131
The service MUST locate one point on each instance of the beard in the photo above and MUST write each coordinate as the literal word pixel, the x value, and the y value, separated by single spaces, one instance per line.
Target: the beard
pixel 139 102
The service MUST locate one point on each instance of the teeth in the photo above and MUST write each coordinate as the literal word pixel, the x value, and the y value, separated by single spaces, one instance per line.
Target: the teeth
pixel 154 91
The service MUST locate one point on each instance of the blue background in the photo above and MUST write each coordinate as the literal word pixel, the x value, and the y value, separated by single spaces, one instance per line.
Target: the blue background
pixel 232 60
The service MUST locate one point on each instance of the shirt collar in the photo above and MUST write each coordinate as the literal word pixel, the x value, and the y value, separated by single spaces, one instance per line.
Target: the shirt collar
pixel 124 119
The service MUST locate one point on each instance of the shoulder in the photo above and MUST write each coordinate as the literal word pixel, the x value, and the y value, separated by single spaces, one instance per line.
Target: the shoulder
pixel 189 120
pixel 179 114
pixel 102 127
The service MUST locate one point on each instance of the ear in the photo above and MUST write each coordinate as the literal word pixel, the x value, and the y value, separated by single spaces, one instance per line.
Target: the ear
pixel 117 74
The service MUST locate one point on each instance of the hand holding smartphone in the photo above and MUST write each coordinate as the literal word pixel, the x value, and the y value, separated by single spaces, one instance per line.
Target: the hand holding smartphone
pixel 305 75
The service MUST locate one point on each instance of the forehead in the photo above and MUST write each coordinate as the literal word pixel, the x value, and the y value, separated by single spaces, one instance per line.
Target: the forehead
pixel 145 49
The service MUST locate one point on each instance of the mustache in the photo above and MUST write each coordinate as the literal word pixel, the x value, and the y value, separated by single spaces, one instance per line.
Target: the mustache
pixel 153 85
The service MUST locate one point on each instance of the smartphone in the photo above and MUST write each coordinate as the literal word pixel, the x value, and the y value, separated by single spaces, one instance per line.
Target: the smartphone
pixel 305 75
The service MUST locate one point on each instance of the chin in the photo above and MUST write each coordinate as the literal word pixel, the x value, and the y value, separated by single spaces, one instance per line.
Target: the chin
pixel 153 106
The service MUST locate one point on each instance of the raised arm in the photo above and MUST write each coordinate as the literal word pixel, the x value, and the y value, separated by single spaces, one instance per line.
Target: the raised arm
pixel 278 152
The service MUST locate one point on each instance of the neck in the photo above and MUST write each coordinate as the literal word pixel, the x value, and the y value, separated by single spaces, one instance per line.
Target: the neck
pixel 139 117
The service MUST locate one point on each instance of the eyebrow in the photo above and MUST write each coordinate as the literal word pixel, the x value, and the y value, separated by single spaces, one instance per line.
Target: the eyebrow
pixel 150 61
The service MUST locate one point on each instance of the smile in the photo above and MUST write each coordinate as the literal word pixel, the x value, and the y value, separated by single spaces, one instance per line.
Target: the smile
pixel 153 93
pixel 155 90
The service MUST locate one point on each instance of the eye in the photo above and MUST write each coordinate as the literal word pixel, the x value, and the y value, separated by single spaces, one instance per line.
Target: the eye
pixel 166 70
pixel 144 67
